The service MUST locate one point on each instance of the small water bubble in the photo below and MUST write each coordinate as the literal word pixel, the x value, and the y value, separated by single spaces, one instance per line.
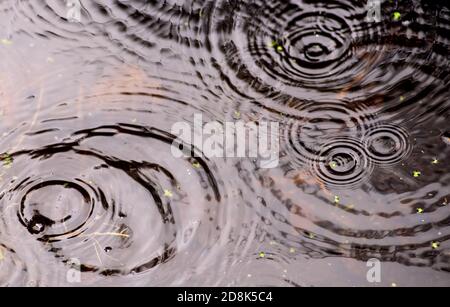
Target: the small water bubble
pixel 36 227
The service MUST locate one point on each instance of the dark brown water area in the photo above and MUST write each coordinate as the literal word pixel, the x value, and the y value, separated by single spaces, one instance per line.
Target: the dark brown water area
pixel 88 180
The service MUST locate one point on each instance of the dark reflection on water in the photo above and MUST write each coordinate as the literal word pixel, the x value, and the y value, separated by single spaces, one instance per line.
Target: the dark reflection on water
pixel 88 176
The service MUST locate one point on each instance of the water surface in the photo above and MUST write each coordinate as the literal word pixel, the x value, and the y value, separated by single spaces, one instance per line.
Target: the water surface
pixel 87 174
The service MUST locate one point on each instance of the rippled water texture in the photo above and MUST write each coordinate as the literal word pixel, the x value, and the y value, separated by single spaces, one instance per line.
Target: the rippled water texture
pixel 88 181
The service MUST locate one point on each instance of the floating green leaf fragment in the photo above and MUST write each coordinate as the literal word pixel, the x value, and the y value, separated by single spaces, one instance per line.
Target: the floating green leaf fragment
pixel 237 114
pixel 6 42
pixel 7 160
pixel 420 210
pixel 397 16
pixel 168 193
pixel 435 245
pixel 262 255
pixel 337 199
pixel 417 174
pixel 333 164
pixel 435 161
pixel 277 46
pixel 196 164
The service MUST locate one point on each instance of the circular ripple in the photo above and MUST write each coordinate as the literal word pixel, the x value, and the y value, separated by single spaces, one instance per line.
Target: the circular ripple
pixel 81 217
pixel 387 144
pixel 49 205
pixel 318 123
pixel 87 179
pixel 261 49
pixel 291 47
pixel 114 198
pixel 342 163
pixel 132 27
pixel 316 47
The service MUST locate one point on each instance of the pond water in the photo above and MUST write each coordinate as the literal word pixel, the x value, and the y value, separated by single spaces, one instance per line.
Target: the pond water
pixel 92 194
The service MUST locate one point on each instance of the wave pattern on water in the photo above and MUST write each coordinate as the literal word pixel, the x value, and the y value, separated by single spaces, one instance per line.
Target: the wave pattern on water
pixel 87 175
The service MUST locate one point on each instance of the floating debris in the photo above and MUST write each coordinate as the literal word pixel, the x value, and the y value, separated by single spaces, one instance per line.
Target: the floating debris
pixel 168 193
pixel 333 165
pixel 262 255
pixel 6 42
pixel 435 245
pixel 417 174
pixel 337 199
pixel 402 98
pixel 277 46
pixel 107 234
pixel 397 16
pixel 292 250
pixel 435 161
pixel 394 285
pixel 7 160
pixel 196 164
pixel 2 256
pixel 420 210
pixel 237 115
